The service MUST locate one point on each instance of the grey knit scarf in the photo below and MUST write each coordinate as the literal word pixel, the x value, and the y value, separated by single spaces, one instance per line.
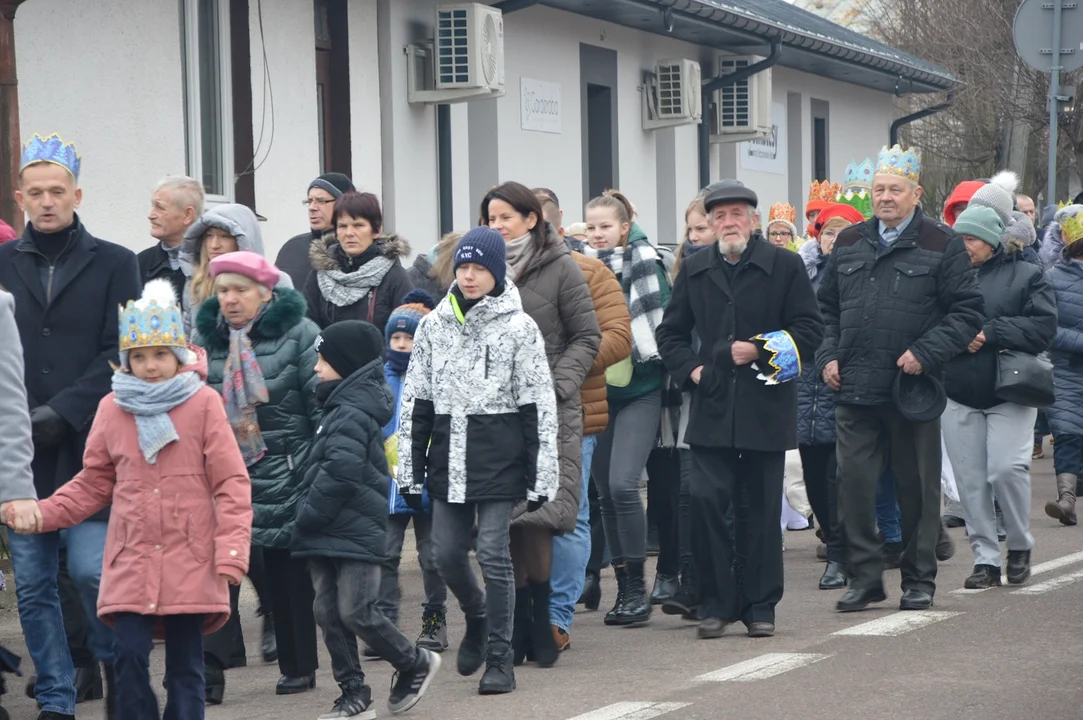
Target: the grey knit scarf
pixel 343 289
pixel 519 251
pixel 150 403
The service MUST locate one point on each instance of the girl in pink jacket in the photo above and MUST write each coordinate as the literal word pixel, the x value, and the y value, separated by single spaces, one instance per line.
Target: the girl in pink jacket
pixel 162 452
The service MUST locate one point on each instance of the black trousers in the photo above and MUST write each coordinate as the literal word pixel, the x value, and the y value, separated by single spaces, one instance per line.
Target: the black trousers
pixel 597 531
pixel 819 465
pixel 663 500
pixel 225 646
pixel 868 439
pixel 292 598
pixel 749 483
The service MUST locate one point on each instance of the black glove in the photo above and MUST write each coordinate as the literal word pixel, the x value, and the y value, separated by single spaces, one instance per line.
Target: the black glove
pixel 533 505
pixel 413 501
pixel 47 428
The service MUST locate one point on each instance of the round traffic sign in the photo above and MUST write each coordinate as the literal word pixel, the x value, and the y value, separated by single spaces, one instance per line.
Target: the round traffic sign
pixel 1033 34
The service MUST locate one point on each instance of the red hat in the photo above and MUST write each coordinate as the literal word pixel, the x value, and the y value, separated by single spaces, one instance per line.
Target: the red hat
pixel 244 262
pixel 838 210
pixel 960 196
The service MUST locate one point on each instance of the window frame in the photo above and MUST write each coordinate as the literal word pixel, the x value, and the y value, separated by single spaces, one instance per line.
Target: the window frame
pixel 193 127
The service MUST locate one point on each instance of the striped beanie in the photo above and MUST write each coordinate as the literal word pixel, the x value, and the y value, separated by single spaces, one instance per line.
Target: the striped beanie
pixel 416 305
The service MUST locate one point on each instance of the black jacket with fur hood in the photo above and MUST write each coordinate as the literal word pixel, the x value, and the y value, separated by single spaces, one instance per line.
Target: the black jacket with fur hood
pixel 326 254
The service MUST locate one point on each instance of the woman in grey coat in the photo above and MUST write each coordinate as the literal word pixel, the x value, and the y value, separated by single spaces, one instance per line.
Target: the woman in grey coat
pixel 18 498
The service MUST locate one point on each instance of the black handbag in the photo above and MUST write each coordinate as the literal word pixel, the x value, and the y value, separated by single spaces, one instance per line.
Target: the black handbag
pixel 1024 379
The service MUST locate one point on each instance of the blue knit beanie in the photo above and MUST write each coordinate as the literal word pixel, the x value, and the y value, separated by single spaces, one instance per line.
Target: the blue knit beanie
pixel 416 305
pixel 483 246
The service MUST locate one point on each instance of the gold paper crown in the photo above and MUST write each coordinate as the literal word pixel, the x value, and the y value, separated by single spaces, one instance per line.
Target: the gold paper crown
pixel 782 211
pixel 823 191
pixel 896 161
pixel 1072 229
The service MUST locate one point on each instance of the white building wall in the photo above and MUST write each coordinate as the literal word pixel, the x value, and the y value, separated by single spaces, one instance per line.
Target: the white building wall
pixel 114 88
pixel 365 126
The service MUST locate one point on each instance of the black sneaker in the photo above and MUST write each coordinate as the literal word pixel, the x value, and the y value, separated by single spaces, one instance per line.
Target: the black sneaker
pixel 355 703
pixel 408 687
pixel 473 647
pixel 892 552
pixel 499 677
pixel 433 632
pixel 983 577
pixel 945 546
pixel 1018 566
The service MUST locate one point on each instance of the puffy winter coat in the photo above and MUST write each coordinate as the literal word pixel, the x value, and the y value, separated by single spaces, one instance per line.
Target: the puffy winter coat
pixel 479 414
pixel 918 295
pixel 1066 414
pixel 284 342
pixel 176 525
pixel 815 400
pixel 616 344
pixel 344 510
pixel 555 294
pixel 1020 314
pixel 376 307
pixel 420 277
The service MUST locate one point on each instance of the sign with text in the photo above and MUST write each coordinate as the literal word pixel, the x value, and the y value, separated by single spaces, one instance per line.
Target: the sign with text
pixel 539 104
pixel 768 154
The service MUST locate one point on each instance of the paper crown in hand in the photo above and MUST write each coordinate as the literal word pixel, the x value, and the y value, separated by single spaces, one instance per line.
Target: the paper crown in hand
pixel 779 359
pixel 899 162
pixel 153 320
pixel 51 150
pixel 1072 228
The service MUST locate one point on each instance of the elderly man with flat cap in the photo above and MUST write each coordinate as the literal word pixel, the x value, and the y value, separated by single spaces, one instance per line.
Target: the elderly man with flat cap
pixel 742 320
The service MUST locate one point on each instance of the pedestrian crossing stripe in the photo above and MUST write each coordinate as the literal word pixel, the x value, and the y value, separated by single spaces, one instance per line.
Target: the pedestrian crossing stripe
pixel 762 667
pixel 898 623
pixel 632 711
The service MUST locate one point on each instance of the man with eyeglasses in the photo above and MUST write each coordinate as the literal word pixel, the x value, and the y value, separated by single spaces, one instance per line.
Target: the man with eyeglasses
pixel 322 192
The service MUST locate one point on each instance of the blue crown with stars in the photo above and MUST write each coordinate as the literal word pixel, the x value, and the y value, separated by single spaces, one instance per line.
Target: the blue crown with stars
pixel 154 320
pixel 896 161
pixel 52 150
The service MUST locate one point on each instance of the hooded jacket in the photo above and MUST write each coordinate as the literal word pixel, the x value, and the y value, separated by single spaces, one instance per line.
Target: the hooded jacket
pixel 376 307
pixel 283 340
pixel 479 415
pixel 1066 413
pixel 242 225
pixel 344 510
pixel 177 525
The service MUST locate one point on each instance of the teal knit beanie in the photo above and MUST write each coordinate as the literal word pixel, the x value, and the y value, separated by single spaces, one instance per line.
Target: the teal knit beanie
pixel 980 222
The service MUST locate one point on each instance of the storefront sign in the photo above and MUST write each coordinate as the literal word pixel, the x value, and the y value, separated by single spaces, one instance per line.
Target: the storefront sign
pixel 768 154
pixel 539 103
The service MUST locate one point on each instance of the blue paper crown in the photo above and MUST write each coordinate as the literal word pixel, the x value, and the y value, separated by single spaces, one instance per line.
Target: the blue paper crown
pixel 152 326
pixel 858 177
pixel 52 150
pixel 896 161
pixel 785 362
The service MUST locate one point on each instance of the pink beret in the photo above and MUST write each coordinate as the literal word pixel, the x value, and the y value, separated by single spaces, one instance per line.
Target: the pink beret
pixel 254 267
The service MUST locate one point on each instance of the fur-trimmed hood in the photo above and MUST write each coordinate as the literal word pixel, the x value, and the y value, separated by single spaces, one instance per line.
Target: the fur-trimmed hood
pixel 287 308
pixel 322 253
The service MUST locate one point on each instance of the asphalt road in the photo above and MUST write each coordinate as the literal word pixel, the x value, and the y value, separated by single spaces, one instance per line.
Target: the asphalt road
pixel 1007 652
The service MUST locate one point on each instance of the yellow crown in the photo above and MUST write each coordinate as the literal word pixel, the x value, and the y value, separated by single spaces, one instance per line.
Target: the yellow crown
pixel 782 211
pixel 896 161
pixel 1072 228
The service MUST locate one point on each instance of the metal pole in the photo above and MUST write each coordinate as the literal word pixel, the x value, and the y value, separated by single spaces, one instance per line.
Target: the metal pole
pixel 1054 88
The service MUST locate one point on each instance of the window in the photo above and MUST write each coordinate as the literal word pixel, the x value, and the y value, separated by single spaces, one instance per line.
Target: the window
pixel 207 96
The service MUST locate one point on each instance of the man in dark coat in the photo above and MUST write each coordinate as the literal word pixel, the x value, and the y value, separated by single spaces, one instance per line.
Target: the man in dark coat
pixel 322 192
pixel 740 426
pixel 67 286
pixel 177 202
pixel 898 295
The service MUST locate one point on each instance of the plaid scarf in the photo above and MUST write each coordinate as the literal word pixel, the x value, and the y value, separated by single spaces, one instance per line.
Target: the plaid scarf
pixel 150 403
pixel 243 389
pixel 636 265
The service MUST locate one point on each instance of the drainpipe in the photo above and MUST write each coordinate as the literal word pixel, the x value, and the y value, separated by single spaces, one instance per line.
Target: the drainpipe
pixel 907 119
pixel 709 89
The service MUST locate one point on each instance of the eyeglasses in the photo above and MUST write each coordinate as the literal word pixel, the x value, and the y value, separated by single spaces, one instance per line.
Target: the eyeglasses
pixel 319 201
pixel 780 235
pixel 828 234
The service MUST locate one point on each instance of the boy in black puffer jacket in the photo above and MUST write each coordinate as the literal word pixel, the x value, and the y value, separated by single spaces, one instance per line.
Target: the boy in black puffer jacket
pixel 342 522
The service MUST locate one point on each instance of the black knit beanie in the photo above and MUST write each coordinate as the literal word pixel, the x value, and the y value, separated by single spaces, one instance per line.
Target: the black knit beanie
pixel 334 183
pixel 350 345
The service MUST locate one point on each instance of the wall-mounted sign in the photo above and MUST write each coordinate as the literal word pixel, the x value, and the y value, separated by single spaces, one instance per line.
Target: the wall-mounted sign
pixel 768 154
pixel 539 105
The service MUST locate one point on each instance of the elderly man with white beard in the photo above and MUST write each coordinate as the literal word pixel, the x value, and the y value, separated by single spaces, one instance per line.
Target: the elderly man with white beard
pixel 753 310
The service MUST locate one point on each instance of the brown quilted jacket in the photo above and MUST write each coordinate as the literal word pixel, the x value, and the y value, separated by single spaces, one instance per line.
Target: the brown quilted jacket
pixel 616 325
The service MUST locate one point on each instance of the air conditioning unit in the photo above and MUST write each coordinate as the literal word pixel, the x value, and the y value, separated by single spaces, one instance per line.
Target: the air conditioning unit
pixel 465 60
pixel 743 109
pixel 671 94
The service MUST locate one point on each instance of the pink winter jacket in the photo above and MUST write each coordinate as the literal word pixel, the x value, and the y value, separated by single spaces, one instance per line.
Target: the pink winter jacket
pixel 175 526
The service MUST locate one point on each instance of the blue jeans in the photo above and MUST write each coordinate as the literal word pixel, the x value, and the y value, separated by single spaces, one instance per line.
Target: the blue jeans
pixel 570 553
pixel 35 560
pixel 888 516
pixel 183 667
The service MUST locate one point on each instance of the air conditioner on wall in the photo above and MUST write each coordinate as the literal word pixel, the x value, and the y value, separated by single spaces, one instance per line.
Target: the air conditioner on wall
pixel 464 61
pixel 743 109
pixel 671 94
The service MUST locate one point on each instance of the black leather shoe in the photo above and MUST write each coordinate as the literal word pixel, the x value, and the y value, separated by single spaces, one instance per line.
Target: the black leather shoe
pixel 856 599
pixel 916 600
pixel 1018 566
pixel 88 683
pixel 591 596
pixel 834 576
pixel 711 627
pixel 665 588
pixel 293 685
pixel 214 682
pixel 268 645
pixel 945 546
pixel 761 630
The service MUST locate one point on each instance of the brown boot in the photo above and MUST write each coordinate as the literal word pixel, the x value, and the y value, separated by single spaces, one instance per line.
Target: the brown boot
pixel 1064 508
